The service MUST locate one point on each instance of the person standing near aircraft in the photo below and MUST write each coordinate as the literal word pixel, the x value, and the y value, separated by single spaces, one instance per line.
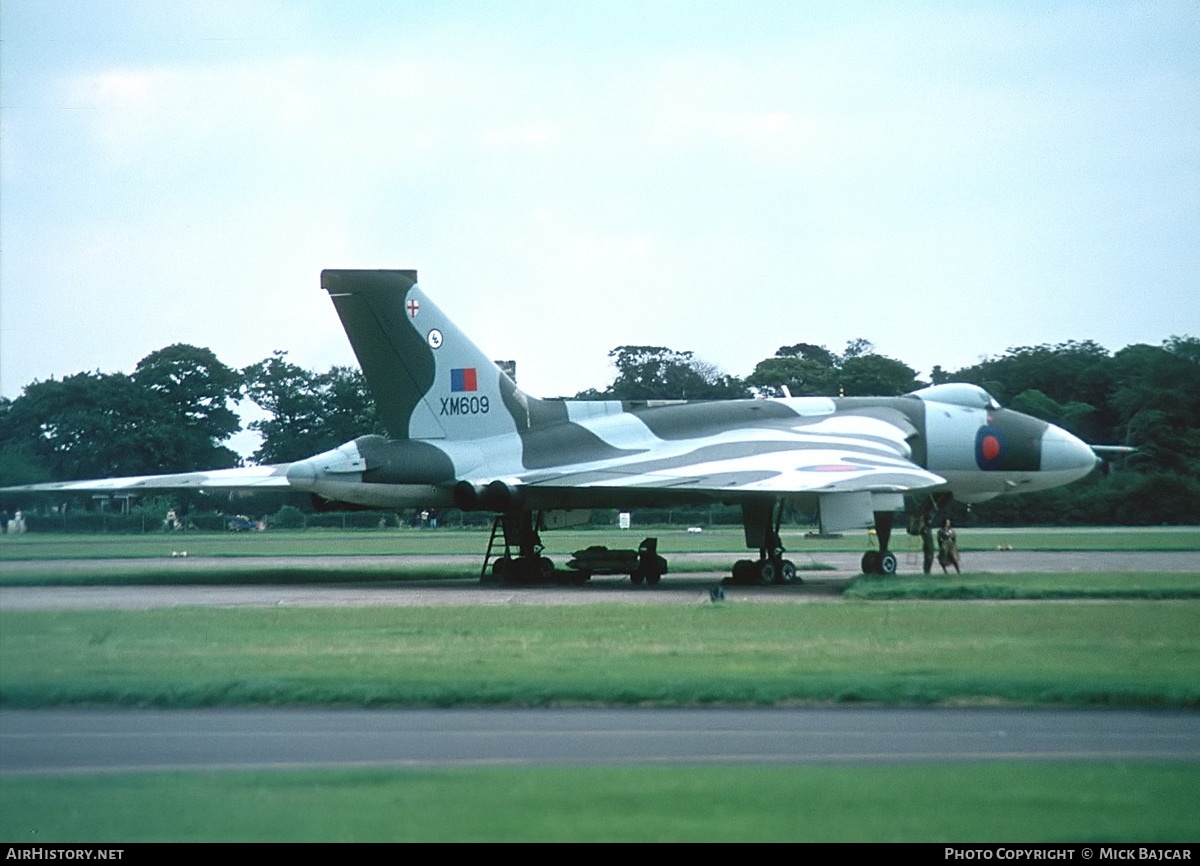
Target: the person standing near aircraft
pixel 948 547
pixel 926 531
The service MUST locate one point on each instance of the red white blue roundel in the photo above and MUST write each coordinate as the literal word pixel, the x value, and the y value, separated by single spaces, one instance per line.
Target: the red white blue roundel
pixel 989 448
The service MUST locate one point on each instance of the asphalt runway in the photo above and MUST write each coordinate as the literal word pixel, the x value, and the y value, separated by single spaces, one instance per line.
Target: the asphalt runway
pixel 686 587
pixel 91 741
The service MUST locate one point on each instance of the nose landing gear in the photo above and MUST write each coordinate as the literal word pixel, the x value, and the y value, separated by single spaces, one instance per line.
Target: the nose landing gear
pixel 881 561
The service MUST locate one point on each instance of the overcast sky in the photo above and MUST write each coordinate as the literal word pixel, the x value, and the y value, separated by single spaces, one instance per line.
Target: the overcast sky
pixel 946 180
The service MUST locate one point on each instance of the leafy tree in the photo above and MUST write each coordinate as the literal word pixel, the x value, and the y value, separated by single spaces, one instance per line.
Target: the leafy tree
pixel 170 416
pixel 195 389
pixel 1069 371
pixel 659 373
pixel 19 464
pixel 809 370
pixel 809 352
pixel 1156 403
pixel 310 412
pixel 91 425
pixel 804 369
pixel 857 348
pixel 801 377
pixel 291 395
pixel 1184 347
pixel 870 375
pixel 351 406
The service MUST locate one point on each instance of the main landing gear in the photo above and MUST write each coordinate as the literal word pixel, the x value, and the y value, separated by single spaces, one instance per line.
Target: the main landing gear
pixel 764 571
pixel 761 522
pixel 520 530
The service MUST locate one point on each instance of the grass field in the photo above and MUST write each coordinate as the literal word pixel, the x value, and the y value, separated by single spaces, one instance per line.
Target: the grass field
pixel 881 643
pixel 1103 653
pixel 984 802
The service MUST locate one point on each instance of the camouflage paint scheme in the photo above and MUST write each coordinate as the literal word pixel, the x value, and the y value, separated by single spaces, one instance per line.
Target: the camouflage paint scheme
pixel 463 434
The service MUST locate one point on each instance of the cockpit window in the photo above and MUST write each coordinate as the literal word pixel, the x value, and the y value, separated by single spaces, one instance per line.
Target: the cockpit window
pixel 958 394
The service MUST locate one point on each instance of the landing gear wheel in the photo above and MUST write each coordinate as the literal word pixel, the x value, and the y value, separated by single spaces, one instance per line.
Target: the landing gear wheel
pixel 887 563
pixel 767 573
pixel 500 569
pixel 742 570
pixel 871 561
pixel 787 571
pixel 637 577
pixel 652 578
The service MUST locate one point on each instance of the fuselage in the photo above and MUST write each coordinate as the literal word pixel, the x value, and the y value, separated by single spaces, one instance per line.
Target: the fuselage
pixel 599 453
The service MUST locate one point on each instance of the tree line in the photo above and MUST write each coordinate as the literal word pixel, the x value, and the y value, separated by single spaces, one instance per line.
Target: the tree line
pixel 177 410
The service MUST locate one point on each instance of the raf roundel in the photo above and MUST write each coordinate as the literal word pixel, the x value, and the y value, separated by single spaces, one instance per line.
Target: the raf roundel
pixel 989 448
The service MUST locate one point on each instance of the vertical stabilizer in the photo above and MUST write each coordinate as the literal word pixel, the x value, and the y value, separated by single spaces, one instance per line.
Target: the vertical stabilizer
pixel 428 379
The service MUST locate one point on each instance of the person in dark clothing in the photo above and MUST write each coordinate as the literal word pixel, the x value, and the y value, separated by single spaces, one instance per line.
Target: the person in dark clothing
pixel 926 530
pixel 948 547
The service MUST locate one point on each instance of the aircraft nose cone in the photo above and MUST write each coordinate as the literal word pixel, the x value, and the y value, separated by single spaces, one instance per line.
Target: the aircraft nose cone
pixel 302 475
pixel 1062 452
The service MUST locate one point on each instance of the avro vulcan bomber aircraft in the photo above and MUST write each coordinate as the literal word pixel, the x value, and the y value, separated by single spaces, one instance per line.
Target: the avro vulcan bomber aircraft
pixel 463 434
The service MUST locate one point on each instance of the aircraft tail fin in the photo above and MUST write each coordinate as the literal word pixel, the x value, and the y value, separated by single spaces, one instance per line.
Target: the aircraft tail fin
pixel 428 379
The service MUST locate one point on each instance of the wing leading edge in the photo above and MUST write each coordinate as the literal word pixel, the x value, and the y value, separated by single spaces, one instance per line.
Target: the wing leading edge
pixel 242 478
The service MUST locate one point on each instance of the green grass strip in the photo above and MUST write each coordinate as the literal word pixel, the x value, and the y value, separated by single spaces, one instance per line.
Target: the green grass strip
pixel 1052 653
pixel 560 543
pixel 215 574
pixel 1028 586
pixel 981 802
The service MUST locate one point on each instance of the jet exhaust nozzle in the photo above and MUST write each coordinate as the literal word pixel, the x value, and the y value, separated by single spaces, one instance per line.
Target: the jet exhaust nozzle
pixel 496 496
pixel 500 496
pixel 467 496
